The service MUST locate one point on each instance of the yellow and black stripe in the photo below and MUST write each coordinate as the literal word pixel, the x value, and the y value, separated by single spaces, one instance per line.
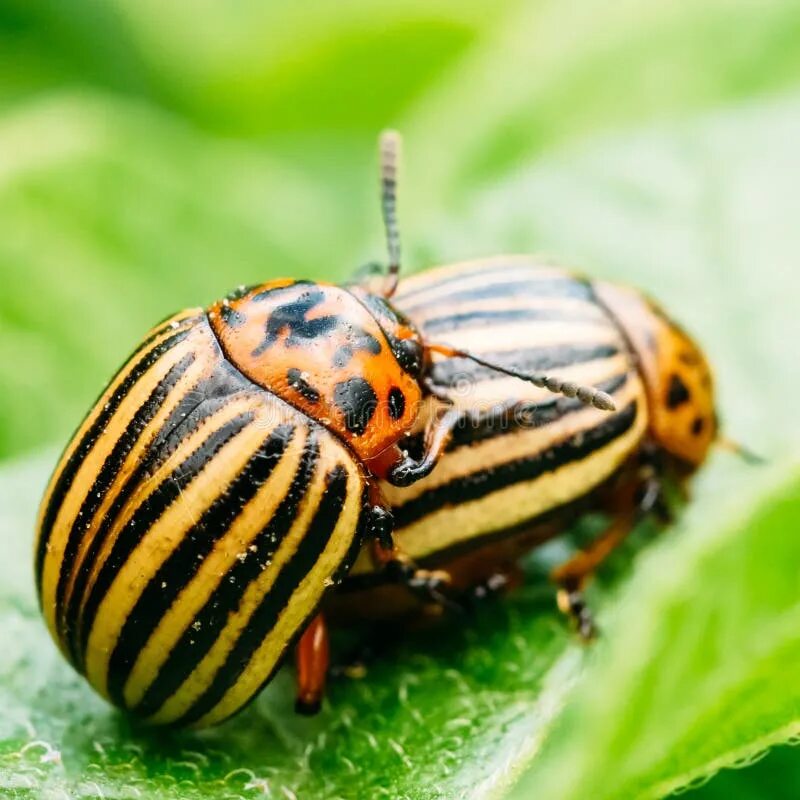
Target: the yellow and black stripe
pixel 190 530
pixel 504 471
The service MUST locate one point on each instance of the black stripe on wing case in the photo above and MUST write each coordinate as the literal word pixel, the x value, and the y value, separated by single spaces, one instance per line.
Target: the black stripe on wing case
pixel 199 403
pixel 205 398
pixel 194 643
pixel 166 325
pixel 274 603
pixel 162 497
pixel 546 287
pixel 493 270
pixel 67 473
pixel 365 522
pixel 483 482
pixel 456 322
pixel 499 422
pixel 186 559
pixel 109 472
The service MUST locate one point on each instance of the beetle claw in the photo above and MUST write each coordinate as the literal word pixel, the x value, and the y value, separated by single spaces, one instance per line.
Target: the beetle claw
pixel 573 605
pixel 404 474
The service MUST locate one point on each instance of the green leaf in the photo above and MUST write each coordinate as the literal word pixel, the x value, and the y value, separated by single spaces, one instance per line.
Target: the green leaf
pixel 774 774
pixel 695 671
pixel 553 72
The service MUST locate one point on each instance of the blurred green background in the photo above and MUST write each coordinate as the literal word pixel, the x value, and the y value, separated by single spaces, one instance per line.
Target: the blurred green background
pixel 153 155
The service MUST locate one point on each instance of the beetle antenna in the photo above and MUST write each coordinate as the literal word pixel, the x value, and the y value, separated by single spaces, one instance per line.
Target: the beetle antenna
pixel 390 157
pixel 747 455
pixel 586 394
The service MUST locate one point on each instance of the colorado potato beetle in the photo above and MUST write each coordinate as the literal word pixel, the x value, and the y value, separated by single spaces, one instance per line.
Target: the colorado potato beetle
pixel 517 466
pixel 520 464
pixel 226 479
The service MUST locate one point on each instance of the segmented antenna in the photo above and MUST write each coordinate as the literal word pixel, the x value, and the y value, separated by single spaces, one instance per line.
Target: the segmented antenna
pixel 747 455
pixel 390 157
pixel 586 394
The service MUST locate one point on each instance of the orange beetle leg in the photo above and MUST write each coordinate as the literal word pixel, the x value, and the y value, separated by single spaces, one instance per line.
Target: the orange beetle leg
pixel 572 576
pixel 312 657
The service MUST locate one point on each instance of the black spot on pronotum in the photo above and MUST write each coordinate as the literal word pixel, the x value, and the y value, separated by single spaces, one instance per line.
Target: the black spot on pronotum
pixel 697 426
pixel 397 403
pixel 357 400
pixel 232 317
pixel 341 358
pixel 356 339
pixel 677 394
pixel 292 319
pixel 295 379
pixel 409 355
pixel 359 339
pixel 271 291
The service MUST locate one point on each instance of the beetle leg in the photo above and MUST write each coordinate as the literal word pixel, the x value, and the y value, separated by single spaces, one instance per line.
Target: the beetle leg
pixel 312 657
pixel 381 525
pixel 409 470
pixel 573 605
pixel 439 431
pixel 572 576
pixel 503 579
pixel 429 586
pixel 381 521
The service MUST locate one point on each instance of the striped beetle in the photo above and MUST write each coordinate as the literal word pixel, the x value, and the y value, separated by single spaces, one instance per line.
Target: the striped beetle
pixel 227 477
pixel 521 464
